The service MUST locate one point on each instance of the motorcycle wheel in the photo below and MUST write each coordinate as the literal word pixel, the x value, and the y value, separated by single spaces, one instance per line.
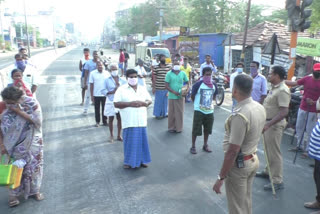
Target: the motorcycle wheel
pixel 220 96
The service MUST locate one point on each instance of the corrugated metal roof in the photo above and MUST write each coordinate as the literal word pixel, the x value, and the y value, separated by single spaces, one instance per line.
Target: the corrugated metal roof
pixel 164 37
pixel 262 33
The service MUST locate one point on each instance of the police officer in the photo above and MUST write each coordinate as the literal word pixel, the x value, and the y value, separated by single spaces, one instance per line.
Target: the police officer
pixel 277 108
pixel 242 133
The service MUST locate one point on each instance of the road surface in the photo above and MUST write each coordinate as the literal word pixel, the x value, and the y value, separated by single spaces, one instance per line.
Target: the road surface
pixel 83 172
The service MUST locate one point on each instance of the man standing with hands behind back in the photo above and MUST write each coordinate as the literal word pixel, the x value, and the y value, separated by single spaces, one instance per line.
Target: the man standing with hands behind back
pixel 260 87
pixel 277 107
pixel 242 135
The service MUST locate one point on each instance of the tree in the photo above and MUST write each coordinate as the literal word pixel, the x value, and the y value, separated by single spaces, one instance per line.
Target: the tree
pixel 315 17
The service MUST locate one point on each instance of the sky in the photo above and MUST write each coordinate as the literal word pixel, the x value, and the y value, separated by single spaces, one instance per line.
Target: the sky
pixel 90 15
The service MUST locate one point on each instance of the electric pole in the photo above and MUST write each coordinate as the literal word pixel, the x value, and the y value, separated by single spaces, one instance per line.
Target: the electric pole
pixel 245 31
pixel 26 24
pixel 2 33
pixel 161 21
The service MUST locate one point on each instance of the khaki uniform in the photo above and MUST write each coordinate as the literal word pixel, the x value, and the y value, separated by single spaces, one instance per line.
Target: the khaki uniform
pixel 244 128
pixel 279 96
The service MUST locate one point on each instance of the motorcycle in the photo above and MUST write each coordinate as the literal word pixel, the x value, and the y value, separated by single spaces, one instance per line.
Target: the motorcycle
pixel 220 81
pixel 296 97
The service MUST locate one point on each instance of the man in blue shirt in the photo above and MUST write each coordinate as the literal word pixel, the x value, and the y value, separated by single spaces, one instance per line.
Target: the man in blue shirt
pixel 88 67
pixel 259 88
pixel 203 93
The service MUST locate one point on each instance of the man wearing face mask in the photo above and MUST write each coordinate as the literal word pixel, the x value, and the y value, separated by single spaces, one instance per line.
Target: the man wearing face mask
pixel 307 108
pixel 133 100
pixel 260 87
pixel 174 83
pixel 111 85
pixel 238 70
pixel 82 62
pixel 159 88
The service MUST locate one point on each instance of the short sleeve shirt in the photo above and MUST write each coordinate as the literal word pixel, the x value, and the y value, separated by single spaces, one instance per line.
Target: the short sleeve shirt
pixel 204 65
pixel 160 75
pixel 259 87
pixel 279 96
pixel 244 126
pixel 90 66
pixel 110 85
pixel 203 100
pixel 311 89
pixel 175 82
pixel 141 72
pixel 187 70
pixel 132 117
pixel 98 80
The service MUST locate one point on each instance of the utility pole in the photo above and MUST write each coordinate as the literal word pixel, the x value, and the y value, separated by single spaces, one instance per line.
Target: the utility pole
pixel 2 33
pixel 161 21
pixel 245 31
pixel 26 25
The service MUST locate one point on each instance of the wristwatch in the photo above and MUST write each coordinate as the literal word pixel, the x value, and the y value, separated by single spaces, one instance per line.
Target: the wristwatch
pixel 220 179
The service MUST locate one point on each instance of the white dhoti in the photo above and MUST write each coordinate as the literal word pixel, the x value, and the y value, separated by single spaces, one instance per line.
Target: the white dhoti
pixel 109 109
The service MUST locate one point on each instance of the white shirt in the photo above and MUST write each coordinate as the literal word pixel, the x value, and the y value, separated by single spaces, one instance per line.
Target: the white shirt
pixel 98 80
pixel 132 117
pixel 141 72
pixel 204 65
pixel 233 76
pixel 30 76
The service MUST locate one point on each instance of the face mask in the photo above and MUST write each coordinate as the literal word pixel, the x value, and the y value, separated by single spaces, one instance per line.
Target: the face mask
pixel 316 75
pixel 132 81
pixel 253 71
pixel 163 62
pixel 114 73
pixel 176 68
pixel 21 65
pixel 208 81
pixel 239 70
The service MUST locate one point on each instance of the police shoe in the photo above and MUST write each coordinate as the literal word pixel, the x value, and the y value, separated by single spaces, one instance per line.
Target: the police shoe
pixel 262 175
pixel 276 186
pixel 312 205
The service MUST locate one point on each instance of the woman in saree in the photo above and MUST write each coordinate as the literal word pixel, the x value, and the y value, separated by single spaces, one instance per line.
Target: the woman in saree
pixel 21 138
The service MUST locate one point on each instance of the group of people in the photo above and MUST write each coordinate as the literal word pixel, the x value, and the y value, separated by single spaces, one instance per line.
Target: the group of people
pixel 21 127
pixel 257 112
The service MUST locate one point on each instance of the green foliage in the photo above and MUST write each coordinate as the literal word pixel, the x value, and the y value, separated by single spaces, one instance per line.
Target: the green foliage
pixel 315 17
pixel 204 16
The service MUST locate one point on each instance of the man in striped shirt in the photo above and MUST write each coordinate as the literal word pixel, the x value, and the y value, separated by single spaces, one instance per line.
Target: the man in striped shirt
pixel 314 152
pixel 159 90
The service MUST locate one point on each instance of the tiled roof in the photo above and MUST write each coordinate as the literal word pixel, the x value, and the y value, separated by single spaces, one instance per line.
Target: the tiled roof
pixel 262 33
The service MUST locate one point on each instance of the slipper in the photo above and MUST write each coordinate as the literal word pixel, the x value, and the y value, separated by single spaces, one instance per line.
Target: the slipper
pixel 144 165
pixel 111 140
pixel 39 197
pixel 13 202
pixel 193 150
pixel 206 149
pixel 172 131
pixel 97 125
pixel 126 166
pixel 304 155
pixel 119 139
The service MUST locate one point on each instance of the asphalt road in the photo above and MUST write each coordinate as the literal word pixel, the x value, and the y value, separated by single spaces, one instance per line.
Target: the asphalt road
pixel 5 61
pixel 83 173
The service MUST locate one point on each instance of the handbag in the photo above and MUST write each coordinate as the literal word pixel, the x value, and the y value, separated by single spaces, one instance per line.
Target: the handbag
pixel 184 90
pixel 10 175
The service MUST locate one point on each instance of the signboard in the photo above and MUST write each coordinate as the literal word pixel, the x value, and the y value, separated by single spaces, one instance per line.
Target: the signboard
pixel 189 46
pixel 184 31
pixel 308 47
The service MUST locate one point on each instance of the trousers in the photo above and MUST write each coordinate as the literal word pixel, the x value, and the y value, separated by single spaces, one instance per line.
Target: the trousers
pixel 305 126
pixel 316 177
pixel 87 100
pixel 239 186
pixel 272 139
pixel 175 114
pixel 99 101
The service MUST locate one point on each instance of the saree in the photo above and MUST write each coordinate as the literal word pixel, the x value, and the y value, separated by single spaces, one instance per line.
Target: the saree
pixel 23 140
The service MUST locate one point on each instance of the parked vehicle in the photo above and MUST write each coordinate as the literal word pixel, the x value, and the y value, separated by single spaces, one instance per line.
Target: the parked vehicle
pixel 296 97
pixel 62 44
pixel 220 81
pixel 146 52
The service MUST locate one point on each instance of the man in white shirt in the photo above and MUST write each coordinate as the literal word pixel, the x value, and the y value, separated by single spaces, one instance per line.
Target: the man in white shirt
pixel 208 63
pixel 142 74
pixel 133 100
pixel 237 70
pixel 97 79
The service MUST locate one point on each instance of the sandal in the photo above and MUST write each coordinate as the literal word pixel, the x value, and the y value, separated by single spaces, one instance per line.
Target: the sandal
pixel 206 148
pixel 119 139
pixel 126 166
pixel 144 165
pixel 193 150
pixel 39 197
pixel 304 155
pixel 13 201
